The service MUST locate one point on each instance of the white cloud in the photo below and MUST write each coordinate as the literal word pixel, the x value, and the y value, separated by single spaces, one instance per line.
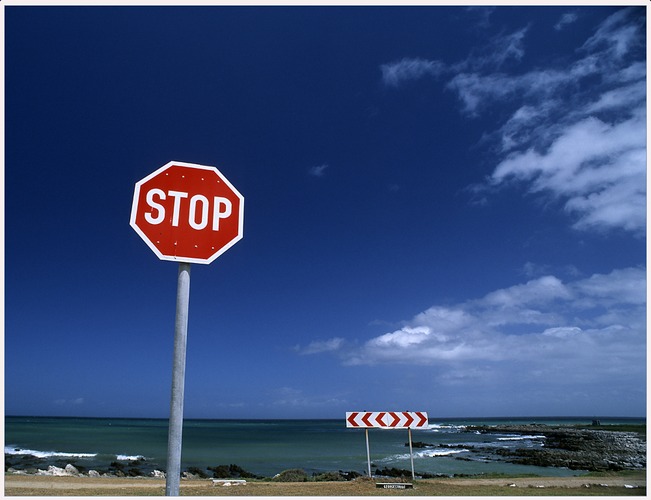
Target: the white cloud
pixel 538 291
pixel 588 329
pixel 405 337
pixel 598 168
pixel 394 74
pixel 626 286
pixel 537 88
pixel 622 98
pixel 483 13
pixel 565 20
pixel 474 90
pixel 578 131
pixel 318 170
pixel 319 346
pixel 562 332
pixel 618 34
pixel 523 125
pixel 584 145
pixel 495 53
pixel 532 269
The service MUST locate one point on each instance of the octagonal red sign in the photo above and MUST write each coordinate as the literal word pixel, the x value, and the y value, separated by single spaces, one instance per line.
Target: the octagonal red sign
pixel 187 212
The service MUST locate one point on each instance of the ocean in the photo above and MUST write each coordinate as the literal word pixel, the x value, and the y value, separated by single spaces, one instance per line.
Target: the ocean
pixel 268 447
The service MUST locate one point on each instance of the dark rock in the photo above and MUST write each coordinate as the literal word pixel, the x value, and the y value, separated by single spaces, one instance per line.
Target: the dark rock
pixel 576 449
pixel 21 461
pixel 350 475
pixel 420 444
pixel 404 474
pixel 393 472
pixel 335 476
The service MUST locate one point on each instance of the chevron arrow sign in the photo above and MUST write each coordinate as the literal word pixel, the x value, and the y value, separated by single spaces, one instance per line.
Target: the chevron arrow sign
pixel 386 419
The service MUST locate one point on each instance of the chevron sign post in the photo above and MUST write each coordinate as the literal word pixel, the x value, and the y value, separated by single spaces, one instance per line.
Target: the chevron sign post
pixel 387 420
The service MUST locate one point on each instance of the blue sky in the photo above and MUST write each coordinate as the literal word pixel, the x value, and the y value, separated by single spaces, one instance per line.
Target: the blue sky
pixel 445 209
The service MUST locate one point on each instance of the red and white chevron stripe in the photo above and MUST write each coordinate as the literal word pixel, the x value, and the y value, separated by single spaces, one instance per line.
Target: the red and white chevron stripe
pixel 386 419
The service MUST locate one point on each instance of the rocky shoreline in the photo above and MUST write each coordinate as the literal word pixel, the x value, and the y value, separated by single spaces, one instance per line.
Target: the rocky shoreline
pixel 29 465
pixel 595 450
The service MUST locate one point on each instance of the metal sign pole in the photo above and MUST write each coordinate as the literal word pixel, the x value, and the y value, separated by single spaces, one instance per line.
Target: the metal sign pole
pixel 411 454
pixel 174 438
pixel 368 454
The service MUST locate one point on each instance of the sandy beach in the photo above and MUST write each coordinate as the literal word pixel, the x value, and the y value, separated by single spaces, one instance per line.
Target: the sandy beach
pixel 606 485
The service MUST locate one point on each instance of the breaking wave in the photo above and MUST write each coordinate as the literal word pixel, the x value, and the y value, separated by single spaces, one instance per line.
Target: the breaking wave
pixel 130 457
pixel 12 450
pixel 446 428
pixel 437 452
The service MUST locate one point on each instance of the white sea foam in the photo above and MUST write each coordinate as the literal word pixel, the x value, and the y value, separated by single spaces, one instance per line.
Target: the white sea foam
pixel 13 450
pixel 519 438
pixel 437 452
pixel 446 428
pixel 130 457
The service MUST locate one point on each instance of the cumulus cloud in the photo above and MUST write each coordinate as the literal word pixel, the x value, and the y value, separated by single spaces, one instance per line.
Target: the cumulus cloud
pixel 591 327
pixel 577 132
pixel 533 269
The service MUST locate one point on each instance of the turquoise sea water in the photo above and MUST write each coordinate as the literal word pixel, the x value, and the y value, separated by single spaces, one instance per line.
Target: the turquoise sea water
pixel 267 447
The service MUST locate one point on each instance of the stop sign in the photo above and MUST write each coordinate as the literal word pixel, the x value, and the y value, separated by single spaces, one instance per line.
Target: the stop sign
pixel 187 212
